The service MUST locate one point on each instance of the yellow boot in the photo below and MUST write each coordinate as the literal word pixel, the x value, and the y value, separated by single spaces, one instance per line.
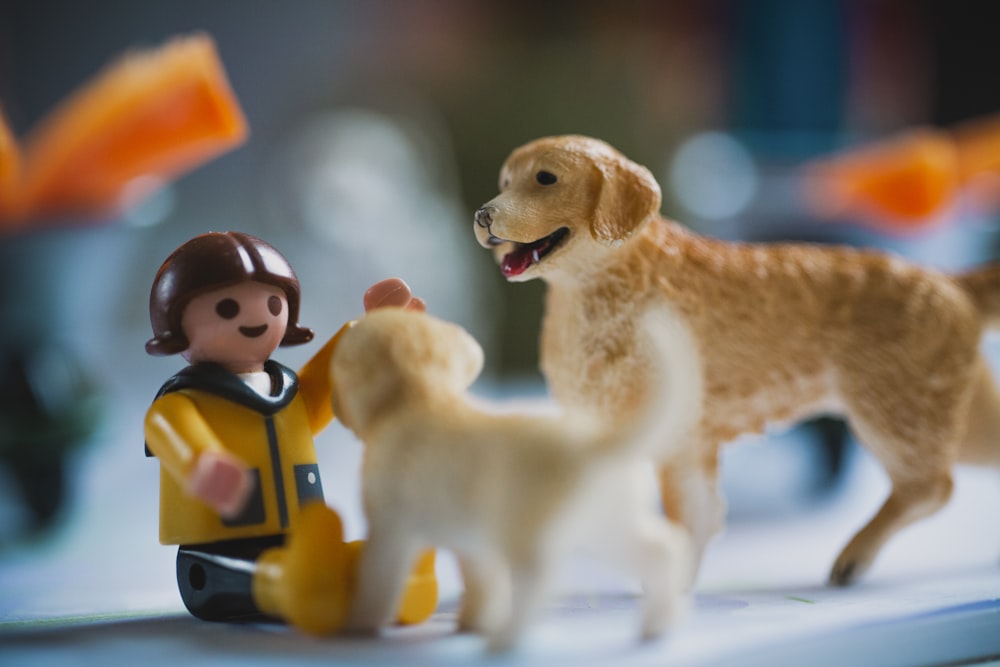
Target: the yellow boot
pixel 420 595
pixel 419 599
pixel 307 582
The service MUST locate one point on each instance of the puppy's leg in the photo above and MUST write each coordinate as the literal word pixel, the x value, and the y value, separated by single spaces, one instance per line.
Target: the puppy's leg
pixel 384 565
pixel 689 491
pixel 529 579
pixel 919 468
pixel 486 602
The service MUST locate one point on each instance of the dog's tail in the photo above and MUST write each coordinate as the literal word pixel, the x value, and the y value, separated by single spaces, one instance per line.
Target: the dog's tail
pixel 983 285
pixel 674 404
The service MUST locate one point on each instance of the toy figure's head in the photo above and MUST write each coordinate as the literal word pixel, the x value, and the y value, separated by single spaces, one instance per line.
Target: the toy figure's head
pixel 222 294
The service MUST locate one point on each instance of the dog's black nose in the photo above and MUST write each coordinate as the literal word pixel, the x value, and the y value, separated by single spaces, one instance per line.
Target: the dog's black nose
pixel 484 217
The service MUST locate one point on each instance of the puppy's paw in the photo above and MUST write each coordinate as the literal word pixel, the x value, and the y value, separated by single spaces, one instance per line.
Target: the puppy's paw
pixel 363 621
pixel 478 620
pixel 353 628
pixel 470 624
pixel 502 641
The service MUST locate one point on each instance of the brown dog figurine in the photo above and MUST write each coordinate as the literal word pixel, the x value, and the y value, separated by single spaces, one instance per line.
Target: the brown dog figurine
pixel 782 332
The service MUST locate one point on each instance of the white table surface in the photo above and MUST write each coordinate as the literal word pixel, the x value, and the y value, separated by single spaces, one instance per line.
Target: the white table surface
pixel 102 590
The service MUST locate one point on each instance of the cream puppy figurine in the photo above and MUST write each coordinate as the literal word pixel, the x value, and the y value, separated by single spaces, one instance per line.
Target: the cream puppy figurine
pixel 782 331
pixel 511 494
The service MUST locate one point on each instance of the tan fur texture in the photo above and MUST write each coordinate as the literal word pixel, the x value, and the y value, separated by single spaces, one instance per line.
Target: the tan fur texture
pixel 784 332
pixel 511 494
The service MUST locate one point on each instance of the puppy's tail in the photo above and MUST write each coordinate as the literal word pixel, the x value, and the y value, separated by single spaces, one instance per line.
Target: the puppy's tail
pixel 674 402
pixel 983 286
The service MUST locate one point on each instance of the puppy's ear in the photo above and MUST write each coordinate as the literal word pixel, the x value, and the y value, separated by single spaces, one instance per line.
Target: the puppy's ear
pixel 451 359
pixel 469 358
pixel 365 381
pixel 629 195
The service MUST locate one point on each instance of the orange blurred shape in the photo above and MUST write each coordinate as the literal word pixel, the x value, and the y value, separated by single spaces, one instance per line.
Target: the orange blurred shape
pixel 978 144
pixel 10 162
pixel 900 183
pixel 149 117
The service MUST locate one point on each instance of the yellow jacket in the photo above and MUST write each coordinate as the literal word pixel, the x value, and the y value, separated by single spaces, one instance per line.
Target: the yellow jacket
pixel 204 407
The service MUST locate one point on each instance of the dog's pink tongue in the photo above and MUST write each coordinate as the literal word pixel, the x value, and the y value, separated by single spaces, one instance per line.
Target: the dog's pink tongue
pixel 515 263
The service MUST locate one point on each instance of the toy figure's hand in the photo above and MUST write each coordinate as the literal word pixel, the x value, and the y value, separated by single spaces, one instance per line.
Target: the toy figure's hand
pixel 392 292
pixel 221 481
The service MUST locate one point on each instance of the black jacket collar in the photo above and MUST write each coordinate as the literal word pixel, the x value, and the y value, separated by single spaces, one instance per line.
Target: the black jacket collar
pixel 217 380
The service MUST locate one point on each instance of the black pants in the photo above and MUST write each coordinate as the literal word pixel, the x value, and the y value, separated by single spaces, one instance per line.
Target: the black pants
pixel 216 579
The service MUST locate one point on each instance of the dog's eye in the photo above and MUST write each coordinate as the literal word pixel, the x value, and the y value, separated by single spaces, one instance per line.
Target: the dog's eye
pixel 545 178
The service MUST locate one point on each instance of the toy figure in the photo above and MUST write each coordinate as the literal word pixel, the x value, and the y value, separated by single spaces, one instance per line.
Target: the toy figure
pixel 781 331
pixel 240 489
pixel 512 494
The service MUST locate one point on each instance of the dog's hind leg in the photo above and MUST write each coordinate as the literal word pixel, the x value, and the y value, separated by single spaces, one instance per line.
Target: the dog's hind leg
pixel 913 419
pixel 981 445
pixel 907 503
pixel 919 469
pixel 660 554
pixel 690 494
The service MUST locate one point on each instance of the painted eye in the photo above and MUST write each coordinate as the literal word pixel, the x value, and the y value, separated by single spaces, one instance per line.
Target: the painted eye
pixel 227 309
pixel 545 178
pixel 274 305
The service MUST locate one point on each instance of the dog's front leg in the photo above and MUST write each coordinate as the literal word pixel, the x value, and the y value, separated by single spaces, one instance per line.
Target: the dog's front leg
pixel 383 567
pixel 689 491
pixel 662 558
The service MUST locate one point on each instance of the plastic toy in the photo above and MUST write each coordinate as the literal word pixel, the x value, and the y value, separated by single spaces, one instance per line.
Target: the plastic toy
pixel 907 182
pixel 781 331
pixel 511 494
pixel 240 489
pixel 152 115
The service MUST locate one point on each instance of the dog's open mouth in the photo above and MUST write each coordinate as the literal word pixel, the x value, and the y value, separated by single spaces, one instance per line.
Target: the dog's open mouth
pixel 525 255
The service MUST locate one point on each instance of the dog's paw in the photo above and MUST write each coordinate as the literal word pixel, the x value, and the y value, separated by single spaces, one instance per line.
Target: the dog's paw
pixel 659 616
pixel 844 573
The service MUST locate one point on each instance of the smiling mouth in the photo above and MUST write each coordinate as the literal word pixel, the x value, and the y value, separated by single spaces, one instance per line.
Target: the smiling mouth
pixel 253 332
pixel 526 255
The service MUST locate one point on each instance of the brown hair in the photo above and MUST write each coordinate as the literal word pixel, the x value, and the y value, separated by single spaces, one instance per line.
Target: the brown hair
pixel 208 262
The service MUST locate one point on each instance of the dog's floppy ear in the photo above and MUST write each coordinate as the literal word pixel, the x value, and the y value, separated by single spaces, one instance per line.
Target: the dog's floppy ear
pixel 629 195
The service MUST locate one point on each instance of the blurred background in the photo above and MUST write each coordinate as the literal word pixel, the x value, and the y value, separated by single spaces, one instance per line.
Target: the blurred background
pixel 378 127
